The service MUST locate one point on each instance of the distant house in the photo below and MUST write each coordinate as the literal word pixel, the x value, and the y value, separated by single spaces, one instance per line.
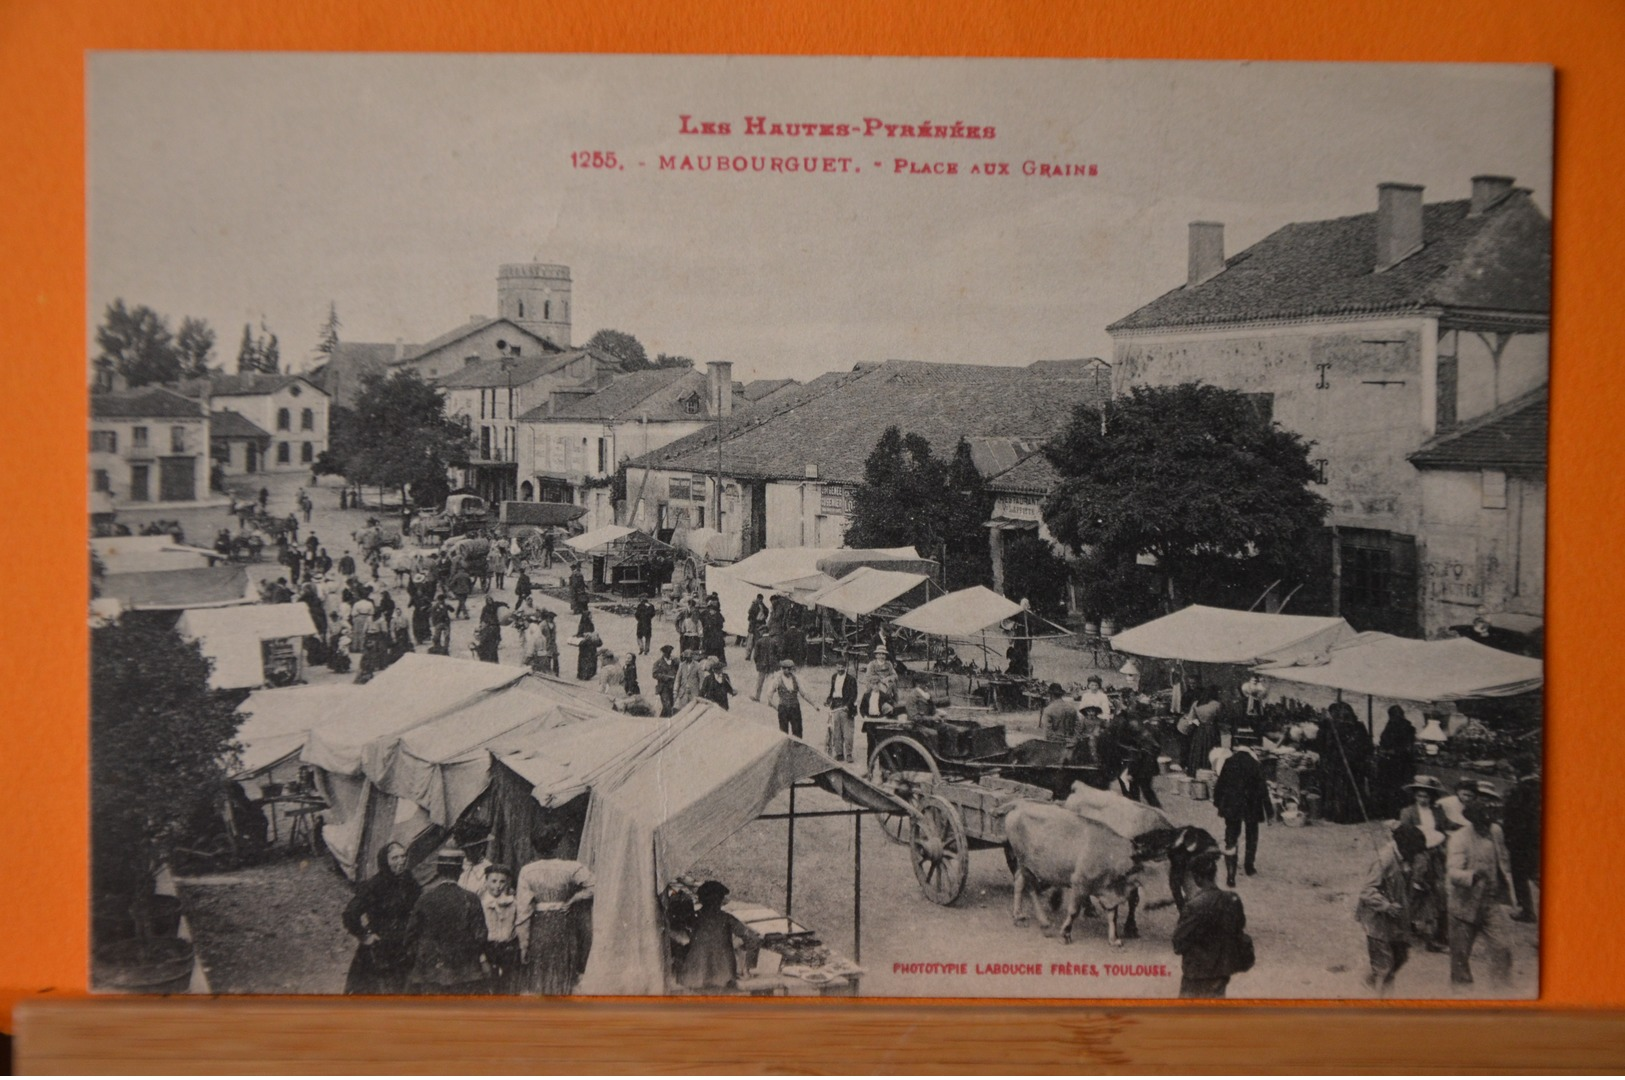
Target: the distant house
pixel 236 444
pixel 148 447
pixel 790 464
pixel 571 445
pixel 291 408
pixel 1018 505
pixel 1369 336
pixel 489 396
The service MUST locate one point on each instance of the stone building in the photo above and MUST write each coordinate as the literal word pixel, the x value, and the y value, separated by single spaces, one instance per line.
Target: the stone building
pixel 291 408
pixel 149 449
pixel 1368 335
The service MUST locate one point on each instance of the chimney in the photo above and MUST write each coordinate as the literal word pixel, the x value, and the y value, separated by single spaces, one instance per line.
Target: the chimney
pixel 1487 191
pixel 1207 252
pixel 1399 222
pixel 719 381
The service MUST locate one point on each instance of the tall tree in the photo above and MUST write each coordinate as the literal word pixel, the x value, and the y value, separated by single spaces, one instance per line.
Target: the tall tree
pixel 1194 477
pixel 327 338
pixel 665 361
pixel 911 498
pixel 137 343
pixel 195 345
pixel 258 353
pixel 248 353
pixel 622 346
pixel 398 436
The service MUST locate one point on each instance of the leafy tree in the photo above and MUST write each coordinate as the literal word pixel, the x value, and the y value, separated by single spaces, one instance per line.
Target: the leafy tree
pixel 1034 572
pixel 909 497
pixel 137 343
pixel 623 347
pixel 665 361
pixel 259 353
pixel 327 338
pixel 194 345
pixel 1195 477
pixel 160 740
pixel 398 436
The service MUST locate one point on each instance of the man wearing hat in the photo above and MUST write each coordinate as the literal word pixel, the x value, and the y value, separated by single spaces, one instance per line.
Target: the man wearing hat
pixel 1060 719
pixel 1427 875
pixel 1455 806
pixel 880 674
pixel 446 934
pixel 842 703
pixel 1094 694
pixel 785 694
pixel 1481 891
pixel 1384 908
pixel 664 671
pixel 1211 935
pixel 688 680
pixel 711 961
pixel 1242 798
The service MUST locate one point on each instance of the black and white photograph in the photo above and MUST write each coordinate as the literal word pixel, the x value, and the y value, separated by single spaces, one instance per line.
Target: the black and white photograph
pixel 816 527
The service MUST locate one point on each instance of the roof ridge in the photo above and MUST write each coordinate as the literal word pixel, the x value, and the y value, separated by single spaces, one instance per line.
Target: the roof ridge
pixel 1494 416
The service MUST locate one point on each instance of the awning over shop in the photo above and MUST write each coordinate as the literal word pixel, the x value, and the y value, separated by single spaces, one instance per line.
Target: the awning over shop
pixel 179 590
pixel 1405 669
pixel 866 591
pixel 1209 635
pixel 233 637
pixel 962 615
pixel 703 775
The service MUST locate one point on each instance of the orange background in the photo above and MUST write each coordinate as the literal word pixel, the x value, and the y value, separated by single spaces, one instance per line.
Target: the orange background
pixel 43 808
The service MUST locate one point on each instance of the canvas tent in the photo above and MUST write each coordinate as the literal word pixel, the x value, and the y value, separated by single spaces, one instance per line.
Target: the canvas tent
pixel 868 591
pixel 1209 635
pixel 244 642
pixel 603 540
pixel 1404 669
pixel 779 570
pixel 701 777
pixel 179 590
pixel 277 722
pixel 141 554
pixel 845 561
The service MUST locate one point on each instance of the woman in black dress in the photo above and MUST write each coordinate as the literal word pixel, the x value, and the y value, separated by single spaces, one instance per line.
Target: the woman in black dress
pixel 377 916
pixel 587 648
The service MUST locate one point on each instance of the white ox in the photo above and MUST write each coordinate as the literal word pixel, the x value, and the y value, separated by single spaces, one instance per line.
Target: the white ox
pixel 1053 847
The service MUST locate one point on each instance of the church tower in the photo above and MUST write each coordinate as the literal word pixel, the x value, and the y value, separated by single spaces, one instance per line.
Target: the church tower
pixel 537 297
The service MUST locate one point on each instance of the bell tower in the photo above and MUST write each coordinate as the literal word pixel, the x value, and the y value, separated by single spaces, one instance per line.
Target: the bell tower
pixel 536 296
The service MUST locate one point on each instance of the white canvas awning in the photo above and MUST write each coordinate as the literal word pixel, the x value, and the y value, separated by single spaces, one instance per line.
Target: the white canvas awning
pixel 961 614
pixel 610 535
pixel 1210 635
pixel 141 554
pixel 278 721
pixel 866 590
pixel 1404 669
pixel 232 638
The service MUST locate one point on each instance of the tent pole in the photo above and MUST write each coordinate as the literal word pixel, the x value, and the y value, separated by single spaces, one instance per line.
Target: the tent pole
pixel 1370 721
pixel 790 854
pixel 857 888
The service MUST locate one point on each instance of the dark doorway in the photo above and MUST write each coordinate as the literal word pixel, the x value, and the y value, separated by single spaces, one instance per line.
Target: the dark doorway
pixel 177 479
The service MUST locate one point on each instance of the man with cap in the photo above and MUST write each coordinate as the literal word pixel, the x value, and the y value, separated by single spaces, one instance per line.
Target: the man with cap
pixel 1384 907
pixel 644 616
pixel 842 703
pixel 1242 798
pixel 446 934
pixel 1211 935
pixel 1060 720
pixel 1093 694
pixel 1480 878
pixel 1427 875
pixel 664 671
pixel 785 694
pixel 711 961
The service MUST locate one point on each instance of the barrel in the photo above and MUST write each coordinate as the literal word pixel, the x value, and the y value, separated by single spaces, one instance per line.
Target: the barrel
pixel 1108 627
pixel 1199 790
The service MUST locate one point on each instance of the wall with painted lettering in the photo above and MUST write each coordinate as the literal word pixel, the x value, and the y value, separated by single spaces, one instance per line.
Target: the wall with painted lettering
pixel 1483 546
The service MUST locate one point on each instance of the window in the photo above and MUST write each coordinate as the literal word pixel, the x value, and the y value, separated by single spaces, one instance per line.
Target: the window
pixel 1494 485
pixel 691 405
pixel 482 404
pixel 282 420
pixel 307 452
pixel 603 455
pixel 1444 410
pixel 104 442
pixel 284 455
pixel 138 438
pixel 307 419
pixel 177 440
pixel 547 310
pixel 521 309
pixel 699 516
pixel 1377 580
pixel 140 483
pixel 102 480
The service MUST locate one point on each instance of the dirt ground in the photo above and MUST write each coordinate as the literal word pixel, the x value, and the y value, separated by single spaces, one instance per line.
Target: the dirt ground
pixel 275 928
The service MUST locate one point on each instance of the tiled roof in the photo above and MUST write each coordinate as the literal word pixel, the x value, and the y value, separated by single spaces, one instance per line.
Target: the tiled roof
pixel 1511 437
pixel 250 384
pixel 1499 260
pixel 658 394
pixel 760 388
pixel 146 401
pixel 1032 475
pixel 516 371
pixel 226 424
pixel 474 326
pixel 1070 369
pixel 834 421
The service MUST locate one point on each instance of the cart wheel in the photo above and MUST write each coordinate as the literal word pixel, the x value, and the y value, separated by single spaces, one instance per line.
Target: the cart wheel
pixel 941 852
pixel 902 767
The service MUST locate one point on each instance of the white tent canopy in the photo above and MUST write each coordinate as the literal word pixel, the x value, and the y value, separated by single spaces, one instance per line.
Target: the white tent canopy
pixel 604 537
pixel 278 721
pixel 1405 669
pixel 1209 635
pixel 866 590
pixel 961 614
pixel 773 570
pixel 232 636
pixel 140 554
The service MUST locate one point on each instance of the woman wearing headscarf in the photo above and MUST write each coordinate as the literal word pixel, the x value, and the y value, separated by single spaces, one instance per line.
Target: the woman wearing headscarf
pixel 377 917
pixel 1345 766
pixel 587 642
pixel 715 686
pixel 1396 763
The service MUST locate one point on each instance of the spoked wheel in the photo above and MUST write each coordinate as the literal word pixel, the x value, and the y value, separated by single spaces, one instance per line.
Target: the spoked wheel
pixel 904 768
pixel 940 850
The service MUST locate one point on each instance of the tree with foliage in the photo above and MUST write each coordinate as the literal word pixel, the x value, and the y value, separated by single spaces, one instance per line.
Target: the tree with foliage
pixel 259 353
pixel 398 436
pixel 623 347
pixel 1034 572
pixel 911 498
pixel 1194 477
pixel 138 344
pixel 327 338
pixel 194 344
pixel 665 361
pixel 160 741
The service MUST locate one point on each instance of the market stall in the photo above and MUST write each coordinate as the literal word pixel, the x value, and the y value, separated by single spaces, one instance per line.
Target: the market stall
pixel 793 572
pixel 624 559
pixel 966 617
pixel 856 608
pixel 272 736
pixel 252 645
